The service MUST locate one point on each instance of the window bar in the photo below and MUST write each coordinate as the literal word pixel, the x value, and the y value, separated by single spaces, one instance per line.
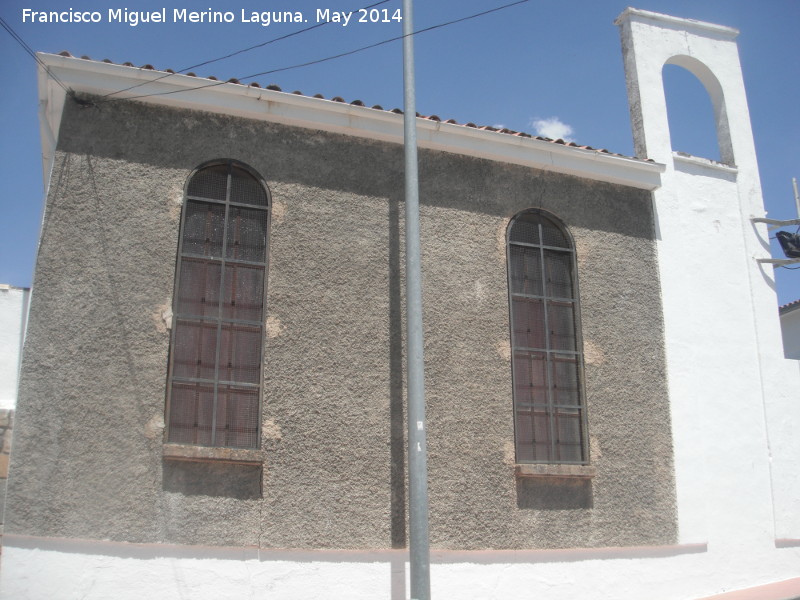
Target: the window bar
pixel 194 423
pixel 548 350
pixel 514 373
pixel 220 305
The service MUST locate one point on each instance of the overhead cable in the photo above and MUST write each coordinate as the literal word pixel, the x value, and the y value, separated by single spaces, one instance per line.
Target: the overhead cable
pixel 328 58
pixel 30 51
pixel 237 52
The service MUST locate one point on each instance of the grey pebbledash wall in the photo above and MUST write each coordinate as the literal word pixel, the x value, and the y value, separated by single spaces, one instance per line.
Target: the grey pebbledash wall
pixel 90 417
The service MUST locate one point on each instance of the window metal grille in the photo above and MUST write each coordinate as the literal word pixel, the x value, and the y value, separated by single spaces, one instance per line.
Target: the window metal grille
pixel 547 365
pixel 216 353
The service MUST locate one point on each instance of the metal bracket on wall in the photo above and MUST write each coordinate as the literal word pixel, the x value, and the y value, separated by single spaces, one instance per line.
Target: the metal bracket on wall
pixel 777 224
pixel 779 262
pixel 774 223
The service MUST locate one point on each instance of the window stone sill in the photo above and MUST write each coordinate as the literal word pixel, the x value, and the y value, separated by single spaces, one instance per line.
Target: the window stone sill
pixel 542 470
pixel 206 453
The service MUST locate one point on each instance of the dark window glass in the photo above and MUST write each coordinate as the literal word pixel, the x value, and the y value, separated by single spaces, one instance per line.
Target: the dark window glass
pixel 218 328
pixel 549 411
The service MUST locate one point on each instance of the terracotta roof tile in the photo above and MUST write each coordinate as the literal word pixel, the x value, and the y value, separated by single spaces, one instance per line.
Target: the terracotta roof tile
pixel 503 130
pixel 790 307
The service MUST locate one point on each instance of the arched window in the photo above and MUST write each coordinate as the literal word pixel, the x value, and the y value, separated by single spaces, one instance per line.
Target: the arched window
pixel 547 364
pixel 216 352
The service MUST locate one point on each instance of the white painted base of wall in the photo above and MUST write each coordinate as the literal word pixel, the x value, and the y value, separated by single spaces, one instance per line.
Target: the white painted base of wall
pixel 48 569
pixel 13 321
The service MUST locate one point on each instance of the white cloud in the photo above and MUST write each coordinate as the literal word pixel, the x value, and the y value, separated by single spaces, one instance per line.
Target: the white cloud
pixel 553 128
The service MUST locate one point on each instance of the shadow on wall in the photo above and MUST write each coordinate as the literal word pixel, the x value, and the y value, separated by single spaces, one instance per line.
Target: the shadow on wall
pixel 293 155
pixel 229 480
pixel 397 415
pixel 554 493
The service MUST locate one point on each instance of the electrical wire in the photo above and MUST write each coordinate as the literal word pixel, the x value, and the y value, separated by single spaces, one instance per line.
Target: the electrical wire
pixel 30 51
pixel 329 58
pixel 394 39
pixel 237 52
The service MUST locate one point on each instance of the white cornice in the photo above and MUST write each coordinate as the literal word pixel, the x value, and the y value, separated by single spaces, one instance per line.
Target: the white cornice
pixel 181 91
pixel 689 25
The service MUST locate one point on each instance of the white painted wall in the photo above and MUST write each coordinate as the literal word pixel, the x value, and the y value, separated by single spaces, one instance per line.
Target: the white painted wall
pixel 40 569
pixel 734 399
pixel 13 316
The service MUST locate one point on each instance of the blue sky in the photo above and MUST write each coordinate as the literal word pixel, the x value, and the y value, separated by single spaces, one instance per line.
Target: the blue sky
pixel 552 67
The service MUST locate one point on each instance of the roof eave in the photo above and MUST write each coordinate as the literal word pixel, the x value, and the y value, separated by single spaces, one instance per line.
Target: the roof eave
pixel 789 308
pixel 100 78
